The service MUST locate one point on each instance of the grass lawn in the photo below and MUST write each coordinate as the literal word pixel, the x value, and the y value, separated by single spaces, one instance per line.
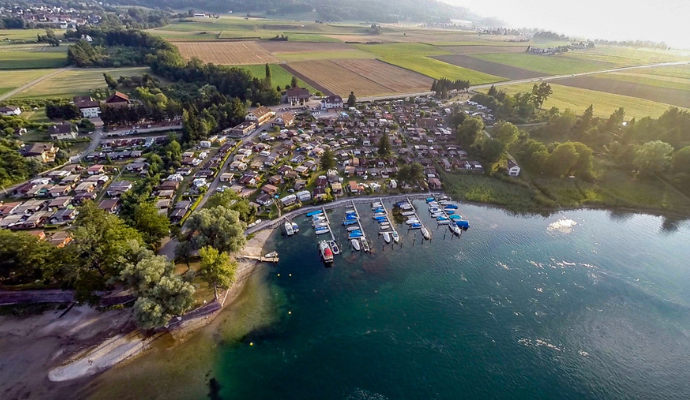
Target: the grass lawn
pixel 37 116
pixel 75 82
pixel 23 35
pixel 28 58
pixel 604 103
pixel 413 56
pixel 279 76
pixel 323 55
pixel 551 65
pixel 10 80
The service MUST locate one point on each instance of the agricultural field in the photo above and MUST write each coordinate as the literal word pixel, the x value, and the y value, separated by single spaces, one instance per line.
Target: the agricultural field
pixel 28 56
pixel 627 56
pixel 677 71
pixel 396 79
pixel 547 65
pixel 670 93
pixel 75 82
pixel 416 57
pixel 489 67
pixel 483 49
pixel 277 47
pixel 336 79
pixel 11 36
pixel 10 80
pixel 279 76
pixel 604 103
pixel 227 53
pixel 324 55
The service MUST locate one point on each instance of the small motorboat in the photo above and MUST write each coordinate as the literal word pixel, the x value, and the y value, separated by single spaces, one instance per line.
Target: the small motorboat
pixel 379 210
pixel 443 222
pixel 288 229
pixel 454 228
pixel 452 206
pixel 455 216
pixel 313 213
pixel 355 234
pixel 436 214
pixel 412 221
pixel 426 234
pixel 396 237
pixel 416 226
pixel 321 230
pixel 381 218
pixel 379 215
pixel 365 246
pixel 406 207
pixel 387 237
pixel 272 254
pixel 376 205
pixel 352 228
pixel 442 218
pixel 320 224
pixel 430 199
pixel 295 227
pixel 350 211
pixel 444 202
pixel 434 210
pixel 407 213
pixel 449 211
pixel 432 205
pixel 355 244
pixel 351 216
pixel 464 224
pixel 334 247
pixel 384 227
pixel 318 218
pixel 444 197
pixel 349 222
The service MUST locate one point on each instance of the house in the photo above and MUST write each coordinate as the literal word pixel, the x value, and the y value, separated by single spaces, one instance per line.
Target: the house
pixel 117 100
pixel 434 183
pixel 513 167
pixel 260 115
pixel 241 130
pixel 300 184
pixel 337 188
pixel 264 199
pixel 85 187
pixel 226 177
pixel 269 189
pixel 354 187
pixel 117 188
pixel 110 205
pixel 82 197
pixel 88 107
pixel 285 120
pixel 303 195
pixel 95 169
pixel 10 110
pixel 297 94
pixel 275 180
pixel 60 202
pixel 289 200
pixel 60 239
pixel 64 215
pixel 332 102
pixel 60 190
pixel 45 151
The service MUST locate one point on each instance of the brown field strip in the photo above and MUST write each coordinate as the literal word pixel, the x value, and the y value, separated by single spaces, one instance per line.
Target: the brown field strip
pixel 398 80
pixel 484 49
pixel 302 47
pixel 677 97
pixel 337 79
pixel 306 79
pixel 227 53
pixel 489 67
pixel 363 38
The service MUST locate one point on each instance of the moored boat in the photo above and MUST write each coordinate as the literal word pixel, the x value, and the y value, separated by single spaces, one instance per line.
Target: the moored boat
pixel 396 237
pixel 349 222
pixel 355 244
pixel 365 245
pixel 295 227
pixel 443 222
pixel 272 254
pixel 384 227
pixel 334 247
pixel 454 228
pixel 315 212
pixel 452 206
pixel 288 229
pixel 407 213
pixel 412 221
pixel 352 228
pixel 416 226
pixel 387 237
pixel 320 230
pixel 326 252
pixel 426 234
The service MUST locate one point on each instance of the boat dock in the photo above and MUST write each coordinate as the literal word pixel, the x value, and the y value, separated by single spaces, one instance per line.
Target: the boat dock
pixel 388 216
pixel 359 223
pixel 328 221
pixel 260 258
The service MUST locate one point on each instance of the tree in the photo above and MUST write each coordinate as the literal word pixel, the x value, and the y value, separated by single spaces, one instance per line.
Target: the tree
pixel 112 83
pixel 384 145
pixel 268 72
pixel 351 99
pixel 230 199
pixel 562 159
pixel 583 165
pixel 218 227
pixel 293 82
pixel 506 132
pixel 653 157
pixel 492 150
pixel 469 131
pixel 541 93
pixel 23 257
pixel 492 91
pixel 217 268
pixel 681 161
pixel 327 160
pixel 416 172
pixel 152 225
pixel 404 173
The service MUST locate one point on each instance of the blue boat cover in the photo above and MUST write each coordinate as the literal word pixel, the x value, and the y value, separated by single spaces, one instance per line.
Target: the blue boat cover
pixel 455 216
pixel 311 214
pixel 463 224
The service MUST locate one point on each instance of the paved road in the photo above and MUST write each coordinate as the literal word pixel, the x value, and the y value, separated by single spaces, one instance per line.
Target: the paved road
pixel 29 84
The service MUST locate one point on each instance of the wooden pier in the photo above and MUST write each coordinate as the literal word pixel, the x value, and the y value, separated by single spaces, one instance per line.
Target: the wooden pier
pixel 328 221
pixel 388 216
pixel 359 223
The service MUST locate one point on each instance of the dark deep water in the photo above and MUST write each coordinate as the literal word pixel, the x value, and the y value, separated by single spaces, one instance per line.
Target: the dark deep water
pixel 577 305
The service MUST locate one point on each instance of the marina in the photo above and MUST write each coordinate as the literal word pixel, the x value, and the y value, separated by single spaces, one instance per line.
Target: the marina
pixel 413 221
pixel 388 228
pixel 445 213
pixel 357 235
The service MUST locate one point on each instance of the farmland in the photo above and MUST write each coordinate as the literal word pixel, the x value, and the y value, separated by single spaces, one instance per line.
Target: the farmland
pixel 489 67
pixel 604 103
pixel 279 76
pixel 228 53
pixel 337 79
pixel 25 57
pixel 549 65
pixel 398 80
pixel 483 49
pixel 280 47
pixel 415 57
pixel 10 80
pixel 324 55
pixel 74 82
pixel 626 56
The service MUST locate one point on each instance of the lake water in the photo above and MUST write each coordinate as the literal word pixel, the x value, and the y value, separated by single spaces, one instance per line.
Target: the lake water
pixel 582 304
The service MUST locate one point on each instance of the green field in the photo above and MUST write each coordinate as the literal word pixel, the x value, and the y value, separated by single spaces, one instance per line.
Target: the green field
pixel 626 56
pixel 413 56
pixel 10 80
pixel 648 79
pixel 552 65
pixel 7 36
pixel 29 58
pixel 309 37
pixel 604 103
pixel 279 76
pixel 323 55
pixel 75 82
pixel 676 71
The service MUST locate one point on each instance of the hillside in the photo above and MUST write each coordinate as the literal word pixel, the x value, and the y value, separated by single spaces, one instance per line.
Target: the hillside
pixel 327 10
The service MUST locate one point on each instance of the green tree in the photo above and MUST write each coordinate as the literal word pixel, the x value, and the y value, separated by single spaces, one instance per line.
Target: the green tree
pixel 562 159
pixel 351 99
pixel 152 225
pixel 404 174
pixel 583 165
pixel 416 172
pixel 384 145
pixel 23 257
pixel 327 160
pixel 681 161
pixel 506 132
pixel 470 131
pixel 217 268
pixel 218 227
pixel 112 83
pixel 541 93
pixel 230 199
pixel 534 154
pixel 492 150
pixel 293 82
pixel 653 157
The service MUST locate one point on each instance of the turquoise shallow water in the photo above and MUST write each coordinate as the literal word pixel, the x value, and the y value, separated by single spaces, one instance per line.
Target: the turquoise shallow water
pixel 576 305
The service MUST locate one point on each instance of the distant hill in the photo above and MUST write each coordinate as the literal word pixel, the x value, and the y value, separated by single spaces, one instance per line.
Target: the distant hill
pixel 327 10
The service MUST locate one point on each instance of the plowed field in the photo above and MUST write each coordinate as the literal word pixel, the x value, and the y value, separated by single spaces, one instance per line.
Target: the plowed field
pixel 226 53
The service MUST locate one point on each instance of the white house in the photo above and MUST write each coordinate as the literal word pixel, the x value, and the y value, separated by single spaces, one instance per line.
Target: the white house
pixel 63 131
pixel 303 195
pixel 88 107
pixel 10 110
pixel 513 168
pixel 332 102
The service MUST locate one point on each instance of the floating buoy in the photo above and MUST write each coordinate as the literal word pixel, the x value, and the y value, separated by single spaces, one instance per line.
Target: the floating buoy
pixel 290 274
pixel 278 274
pixel 289 312
pixel 251 343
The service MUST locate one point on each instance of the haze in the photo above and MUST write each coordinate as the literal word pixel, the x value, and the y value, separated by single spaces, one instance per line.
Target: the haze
pixel 660 20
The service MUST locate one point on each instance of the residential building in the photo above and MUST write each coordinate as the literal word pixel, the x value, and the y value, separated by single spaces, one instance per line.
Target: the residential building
pixel 513 167
pixel 332 102
pixel 284 120
pixel 296 95
pixel 45 151
pixel 260 115
pixel 110 205
pixel 88 107
pixel 241 130
pixel 117 100
pixel 10 110
pixel 63 131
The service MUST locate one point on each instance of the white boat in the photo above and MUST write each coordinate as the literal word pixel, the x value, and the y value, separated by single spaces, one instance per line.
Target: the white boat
pixel 436 214
pixel 326 252
pixel 433 204
pixel 350 211
pixel 353 228
pixel 387 237
pixel 272 254
pixel 385 227
pixel 322 230
pixel 426 234
pixel 407 213
pixel 365 246
pixel 444 202
pixel 355 244
pixel 454 228
pixel 295 227
pixel 376 205
pixel 396 237
pixel 288 228
pixel 444 222
pixel 412 221
pixel 379 215
pixel 320 224
pixel 334 246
